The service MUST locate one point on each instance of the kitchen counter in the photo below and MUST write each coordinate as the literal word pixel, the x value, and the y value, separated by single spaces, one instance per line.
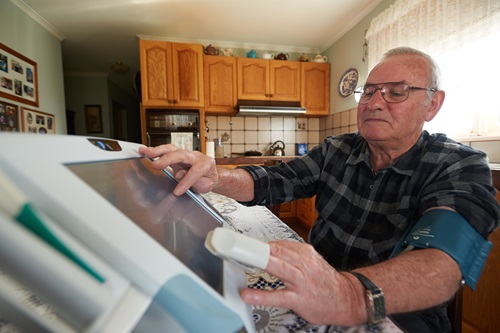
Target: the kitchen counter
pixel 251 159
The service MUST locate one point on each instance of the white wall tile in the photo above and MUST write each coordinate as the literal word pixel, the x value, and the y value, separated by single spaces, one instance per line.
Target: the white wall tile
pixel 223 123
pixel 238 123
pixel 276 135
pixel 251 137
pixel 336 120
pixel 289 137
pixel 301 137
pixel 344 118
pixel 251 123
pixel 277 123
pixel 313 138
pixel 289 123
pixel 264 123
pixel 353 116
pixel 238 137
pixel 263 137
pixel 313 124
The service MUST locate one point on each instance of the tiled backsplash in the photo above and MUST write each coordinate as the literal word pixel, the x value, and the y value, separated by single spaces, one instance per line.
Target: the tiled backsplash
pixel 259 133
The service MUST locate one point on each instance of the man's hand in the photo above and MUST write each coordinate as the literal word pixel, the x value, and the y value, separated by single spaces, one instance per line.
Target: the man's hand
pixel 191 169
pixel 313 288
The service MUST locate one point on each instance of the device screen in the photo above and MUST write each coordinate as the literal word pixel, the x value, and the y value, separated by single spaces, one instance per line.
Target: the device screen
pixel 179 224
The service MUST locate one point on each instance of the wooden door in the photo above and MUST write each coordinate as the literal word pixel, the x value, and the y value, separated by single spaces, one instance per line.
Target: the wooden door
pixel 220 85
pixel 253 80
pixel 315 90
pixel 481 308
pixel 187 74
pixel 306 212
pixel 284 80
pixel 156 80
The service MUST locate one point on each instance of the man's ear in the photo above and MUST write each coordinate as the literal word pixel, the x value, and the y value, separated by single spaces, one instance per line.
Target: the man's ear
pixel 435 105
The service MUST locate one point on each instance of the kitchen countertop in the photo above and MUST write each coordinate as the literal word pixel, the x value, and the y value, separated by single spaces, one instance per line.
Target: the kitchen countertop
pixel 251 159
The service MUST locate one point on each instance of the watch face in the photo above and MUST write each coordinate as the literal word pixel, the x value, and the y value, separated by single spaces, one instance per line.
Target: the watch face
pixel 348 82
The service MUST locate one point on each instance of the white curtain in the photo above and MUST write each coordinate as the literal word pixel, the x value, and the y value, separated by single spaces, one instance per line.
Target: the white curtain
pixel 463 36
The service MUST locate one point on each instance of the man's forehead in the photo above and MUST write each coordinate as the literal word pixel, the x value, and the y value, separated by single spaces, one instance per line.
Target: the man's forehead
pixel 400 68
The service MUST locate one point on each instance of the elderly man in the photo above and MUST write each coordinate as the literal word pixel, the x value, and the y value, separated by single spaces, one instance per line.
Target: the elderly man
pixel 371 188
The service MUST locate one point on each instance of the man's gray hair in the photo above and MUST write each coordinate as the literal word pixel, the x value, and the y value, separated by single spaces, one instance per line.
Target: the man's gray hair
pixel 435 77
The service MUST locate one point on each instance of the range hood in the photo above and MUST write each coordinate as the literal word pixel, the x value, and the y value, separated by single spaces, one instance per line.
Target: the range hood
pixel 267 108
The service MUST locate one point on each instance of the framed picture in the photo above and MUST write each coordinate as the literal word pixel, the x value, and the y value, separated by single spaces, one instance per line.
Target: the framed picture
pixel 38 122
pixel 18 77
pixel 93 118
pixel 9 117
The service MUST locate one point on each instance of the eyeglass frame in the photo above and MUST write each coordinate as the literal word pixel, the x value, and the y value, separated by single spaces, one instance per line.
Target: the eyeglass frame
pixel 356 91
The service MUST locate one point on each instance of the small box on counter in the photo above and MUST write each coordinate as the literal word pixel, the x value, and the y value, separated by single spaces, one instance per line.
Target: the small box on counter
pixel 301 149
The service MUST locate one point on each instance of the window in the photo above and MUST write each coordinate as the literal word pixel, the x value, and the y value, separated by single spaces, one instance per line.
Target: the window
pixel 463 36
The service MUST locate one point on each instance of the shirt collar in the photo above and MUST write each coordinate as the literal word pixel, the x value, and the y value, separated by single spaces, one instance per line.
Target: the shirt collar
pixel 404 165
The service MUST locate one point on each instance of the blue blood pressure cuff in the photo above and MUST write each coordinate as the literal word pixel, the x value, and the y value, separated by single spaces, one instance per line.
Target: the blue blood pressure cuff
pixel 448 231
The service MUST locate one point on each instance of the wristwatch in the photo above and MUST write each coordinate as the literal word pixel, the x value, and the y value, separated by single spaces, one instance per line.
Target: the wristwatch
pixel 375 300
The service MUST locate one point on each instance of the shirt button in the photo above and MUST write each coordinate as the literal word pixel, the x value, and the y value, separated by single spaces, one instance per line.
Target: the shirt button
pixel 372 187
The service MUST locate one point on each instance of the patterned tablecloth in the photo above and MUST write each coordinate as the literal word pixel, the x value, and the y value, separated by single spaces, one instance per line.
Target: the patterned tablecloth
pixel 260 223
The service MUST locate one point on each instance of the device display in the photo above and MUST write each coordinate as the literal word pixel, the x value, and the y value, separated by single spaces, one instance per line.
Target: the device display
pixel 145 195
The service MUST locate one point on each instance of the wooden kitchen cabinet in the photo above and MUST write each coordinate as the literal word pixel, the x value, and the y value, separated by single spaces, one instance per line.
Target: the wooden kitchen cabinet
pixel 274 80
pixel 478 310
pixel 220 85
pixel 315 88
pixel 306 211
pixel 171 74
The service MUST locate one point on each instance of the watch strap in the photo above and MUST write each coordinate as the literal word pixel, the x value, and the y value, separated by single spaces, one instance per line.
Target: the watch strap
pixel 375 300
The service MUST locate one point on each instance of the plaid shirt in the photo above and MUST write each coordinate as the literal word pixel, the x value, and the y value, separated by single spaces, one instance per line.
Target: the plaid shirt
pixel 362 214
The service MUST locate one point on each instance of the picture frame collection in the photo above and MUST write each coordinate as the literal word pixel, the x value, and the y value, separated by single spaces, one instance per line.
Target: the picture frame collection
pixel 19 83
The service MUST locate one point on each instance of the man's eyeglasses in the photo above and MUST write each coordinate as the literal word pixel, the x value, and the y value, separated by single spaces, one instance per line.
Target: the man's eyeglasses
pixel 392 92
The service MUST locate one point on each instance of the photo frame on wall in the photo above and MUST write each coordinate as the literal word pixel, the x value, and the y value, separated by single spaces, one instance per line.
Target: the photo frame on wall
pixel 18 77
pixel 9 117
pixel 38 122
pixel 93 118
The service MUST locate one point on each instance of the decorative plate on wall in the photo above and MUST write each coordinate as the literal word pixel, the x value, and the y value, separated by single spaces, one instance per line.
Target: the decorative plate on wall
pixel 348 82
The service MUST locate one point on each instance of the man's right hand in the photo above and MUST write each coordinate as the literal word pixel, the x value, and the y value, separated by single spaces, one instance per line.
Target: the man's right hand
pixel 191 169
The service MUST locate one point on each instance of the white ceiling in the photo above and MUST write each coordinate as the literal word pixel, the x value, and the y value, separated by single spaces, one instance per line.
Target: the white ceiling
pixel 97 33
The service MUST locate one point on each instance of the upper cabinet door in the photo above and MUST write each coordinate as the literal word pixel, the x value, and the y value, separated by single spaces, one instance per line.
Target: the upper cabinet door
pixel 284 80
pixel 220 85
pixel 275 80
pixel 156 80
pixel 253 82
pixel 187 65
pixel 315 91
pixel 171 74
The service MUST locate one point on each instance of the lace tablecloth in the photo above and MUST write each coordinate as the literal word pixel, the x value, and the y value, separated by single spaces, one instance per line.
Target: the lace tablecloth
pixel 260 223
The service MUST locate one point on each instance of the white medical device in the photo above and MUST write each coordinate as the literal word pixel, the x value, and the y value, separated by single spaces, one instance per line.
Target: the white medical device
pixel 105 244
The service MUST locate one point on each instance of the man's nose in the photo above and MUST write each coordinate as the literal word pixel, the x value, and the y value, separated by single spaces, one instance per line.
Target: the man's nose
pixel 377 97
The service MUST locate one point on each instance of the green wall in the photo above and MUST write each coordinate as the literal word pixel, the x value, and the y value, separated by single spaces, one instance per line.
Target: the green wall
pixel 24 35
pixel 347 52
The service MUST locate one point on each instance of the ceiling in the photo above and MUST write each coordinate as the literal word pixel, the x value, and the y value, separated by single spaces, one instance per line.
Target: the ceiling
pixel 95 34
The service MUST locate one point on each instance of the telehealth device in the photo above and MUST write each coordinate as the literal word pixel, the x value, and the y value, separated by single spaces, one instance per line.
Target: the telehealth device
pixel 238 248
pixel 94 232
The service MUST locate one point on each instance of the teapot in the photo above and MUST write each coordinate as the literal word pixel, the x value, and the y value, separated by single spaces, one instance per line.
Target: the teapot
pixel 268 55
pixel 210 50
pixel 277 150
pixel 320 58
pixel 252 54
pixel 227 52
pixel 304 58
pixel 281 56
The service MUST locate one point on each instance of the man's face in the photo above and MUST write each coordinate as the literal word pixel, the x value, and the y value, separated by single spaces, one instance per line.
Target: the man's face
pixel 396 123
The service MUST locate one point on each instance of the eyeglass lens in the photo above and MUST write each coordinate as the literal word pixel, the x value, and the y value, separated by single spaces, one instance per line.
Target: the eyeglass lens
pixel 391 92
